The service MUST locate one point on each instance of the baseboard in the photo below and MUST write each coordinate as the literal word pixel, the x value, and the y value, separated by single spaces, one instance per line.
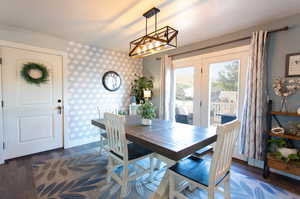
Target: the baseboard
pixel 78 142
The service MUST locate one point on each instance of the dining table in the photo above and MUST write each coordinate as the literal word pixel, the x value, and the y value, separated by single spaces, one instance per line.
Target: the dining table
pixel 171 142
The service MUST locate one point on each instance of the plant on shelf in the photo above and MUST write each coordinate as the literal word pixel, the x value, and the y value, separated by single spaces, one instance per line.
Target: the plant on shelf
pixel 147 112
pixel 283 150
pixel 138 86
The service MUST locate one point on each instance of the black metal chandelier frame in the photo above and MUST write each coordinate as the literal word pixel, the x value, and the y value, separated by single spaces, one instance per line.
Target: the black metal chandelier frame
pixel 157 41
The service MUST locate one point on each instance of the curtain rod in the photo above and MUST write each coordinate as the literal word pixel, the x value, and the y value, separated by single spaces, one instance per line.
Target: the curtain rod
pixel 227 42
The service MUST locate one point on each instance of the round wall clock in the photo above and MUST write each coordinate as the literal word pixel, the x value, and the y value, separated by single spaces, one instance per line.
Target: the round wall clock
pixel 111 81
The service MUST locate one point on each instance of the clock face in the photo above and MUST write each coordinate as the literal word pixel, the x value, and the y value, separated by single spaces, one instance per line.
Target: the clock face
pixel 111 81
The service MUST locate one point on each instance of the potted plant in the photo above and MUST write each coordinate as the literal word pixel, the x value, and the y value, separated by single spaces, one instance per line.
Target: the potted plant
pixel 138 86
pixel 147 112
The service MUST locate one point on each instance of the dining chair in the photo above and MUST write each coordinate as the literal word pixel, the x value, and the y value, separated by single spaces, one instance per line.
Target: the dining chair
pixel 103 134
pixel 124 154
pixel 208 173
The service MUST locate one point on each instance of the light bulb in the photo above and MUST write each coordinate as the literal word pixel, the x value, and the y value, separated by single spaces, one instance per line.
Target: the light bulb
pixel 139 50
pixel 150 46
pixel 144 48
pixel 157 43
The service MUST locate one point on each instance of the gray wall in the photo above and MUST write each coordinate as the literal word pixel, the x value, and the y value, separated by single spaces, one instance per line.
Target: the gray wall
pixel 280 44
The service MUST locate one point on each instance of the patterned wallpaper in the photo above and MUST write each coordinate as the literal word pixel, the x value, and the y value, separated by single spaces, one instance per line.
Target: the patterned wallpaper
pixel 87 64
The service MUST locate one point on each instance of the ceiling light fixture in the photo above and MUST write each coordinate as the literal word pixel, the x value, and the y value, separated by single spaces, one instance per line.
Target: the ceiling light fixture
pixel 157 41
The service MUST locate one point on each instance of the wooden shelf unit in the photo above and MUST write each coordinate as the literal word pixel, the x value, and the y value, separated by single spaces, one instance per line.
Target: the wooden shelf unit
pixel 290 167
pixel 285 114
pixel 273 162
pixel 291 137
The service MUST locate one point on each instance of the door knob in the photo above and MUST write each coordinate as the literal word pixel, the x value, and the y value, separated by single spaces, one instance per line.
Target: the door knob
pixel 59 108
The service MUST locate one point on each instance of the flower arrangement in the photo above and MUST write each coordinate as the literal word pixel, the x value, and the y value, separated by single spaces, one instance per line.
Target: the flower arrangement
pixel 147 112
pixel 284 88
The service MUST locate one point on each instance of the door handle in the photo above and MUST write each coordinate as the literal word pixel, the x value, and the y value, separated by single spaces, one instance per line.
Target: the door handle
pixel 59 108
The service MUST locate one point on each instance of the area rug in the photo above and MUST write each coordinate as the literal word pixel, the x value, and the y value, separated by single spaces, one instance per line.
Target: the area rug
pixel 84 177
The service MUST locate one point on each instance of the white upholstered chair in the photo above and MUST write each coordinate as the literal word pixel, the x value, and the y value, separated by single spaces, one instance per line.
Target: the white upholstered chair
pixel 207 173
pixel 122 153
pixel 103 134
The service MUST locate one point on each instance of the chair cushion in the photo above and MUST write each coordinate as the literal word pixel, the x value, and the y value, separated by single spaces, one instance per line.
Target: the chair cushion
pixel 135 151
pixel 104 134
pixel 195 169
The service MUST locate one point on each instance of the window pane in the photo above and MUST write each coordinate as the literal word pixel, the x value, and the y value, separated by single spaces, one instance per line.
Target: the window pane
pixel 184 95
pixel 224 95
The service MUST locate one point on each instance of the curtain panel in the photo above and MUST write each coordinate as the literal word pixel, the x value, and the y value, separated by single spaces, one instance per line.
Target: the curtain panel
pixel 167 89
pixel 255 106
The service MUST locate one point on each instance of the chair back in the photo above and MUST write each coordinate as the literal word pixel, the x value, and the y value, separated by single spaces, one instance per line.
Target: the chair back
pixel 116 136
pixel 102 110
pixel 224 148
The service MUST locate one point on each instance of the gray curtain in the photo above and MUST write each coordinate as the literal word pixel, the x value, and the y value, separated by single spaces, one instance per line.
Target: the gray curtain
pixel 255 106
pixel 167 89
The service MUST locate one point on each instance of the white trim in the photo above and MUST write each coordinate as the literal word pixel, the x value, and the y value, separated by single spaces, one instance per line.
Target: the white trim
pixel 65 130
pixel 82 141
pixel 1 118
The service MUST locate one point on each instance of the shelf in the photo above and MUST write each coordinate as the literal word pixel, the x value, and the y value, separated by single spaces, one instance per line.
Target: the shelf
pixel 292 137
pixel 285 114
pixel 291 167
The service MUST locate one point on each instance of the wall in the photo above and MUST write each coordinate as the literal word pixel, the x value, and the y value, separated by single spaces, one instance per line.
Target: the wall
pixel 280 44
pixel 87 64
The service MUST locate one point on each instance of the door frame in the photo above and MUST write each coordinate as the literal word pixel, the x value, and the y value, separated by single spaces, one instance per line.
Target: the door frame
pixel 63 54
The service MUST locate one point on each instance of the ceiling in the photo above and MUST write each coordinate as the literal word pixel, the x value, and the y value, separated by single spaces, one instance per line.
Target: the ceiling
pixel 114 23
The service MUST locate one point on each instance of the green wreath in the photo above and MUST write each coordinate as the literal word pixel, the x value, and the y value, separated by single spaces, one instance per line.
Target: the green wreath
pixel 25 73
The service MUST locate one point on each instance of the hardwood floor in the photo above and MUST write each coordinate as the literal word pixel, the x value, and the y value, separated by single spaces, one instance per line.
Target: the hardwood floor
pixel 16 178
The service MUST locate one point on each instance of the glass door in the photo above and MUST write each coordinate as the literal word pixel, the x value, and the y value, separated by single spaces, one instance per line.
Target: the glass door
pixel 224 85
pixel 184 97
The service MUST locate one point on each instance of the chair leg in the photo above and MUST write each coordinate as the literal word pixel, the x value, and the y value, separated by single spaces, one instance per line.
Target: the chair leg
pixel 124 185
pixel 192 187
pixel 211 193
pixel 227 194
pixel 101 144
pixel 171 186
pixel 151 168
pixel 109 169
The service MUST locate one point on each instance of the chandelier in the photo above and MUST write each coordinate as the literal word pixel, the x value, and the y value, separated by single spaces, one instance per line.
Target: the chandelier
pixel 157 41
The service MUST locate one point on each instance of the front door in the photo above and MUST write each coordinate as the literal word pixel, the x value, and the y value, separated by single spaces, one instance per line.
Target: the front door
pixel 32 113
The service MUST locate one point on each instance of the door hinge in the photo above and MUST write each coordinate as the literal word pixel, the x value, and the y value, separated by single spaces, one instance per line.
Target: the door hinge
pixel 200 103
pixel 4 146
pixel 201 71
pixel 2 103
pixel 0 60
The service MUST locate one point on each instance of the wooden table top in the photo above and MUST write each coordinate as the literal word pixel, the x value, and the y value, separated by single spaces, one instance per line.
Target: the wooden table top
pixel 170 139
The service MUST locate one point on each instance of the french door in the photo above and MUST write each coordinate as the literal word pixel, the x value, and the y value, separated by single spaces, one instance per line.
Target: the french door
pixel 210 88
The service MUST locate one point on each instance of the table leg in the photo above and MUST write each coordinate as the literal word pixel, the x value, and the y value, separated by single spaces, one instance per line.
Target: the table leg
pixel 162 191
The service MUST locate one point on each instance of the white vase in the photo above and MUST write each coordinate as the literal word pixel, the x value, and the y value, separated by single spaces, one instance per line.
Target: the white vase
pixel 285 152
pixel 146 122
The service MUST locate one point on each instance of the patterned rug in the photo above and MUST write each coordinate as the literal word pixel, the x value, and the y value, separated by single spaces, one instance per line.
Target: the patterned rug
pixel 83 177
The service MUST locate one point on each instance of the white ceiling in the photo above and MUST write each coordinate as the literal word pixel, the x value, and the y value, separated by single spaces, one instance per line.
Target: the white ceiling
pixel 114 23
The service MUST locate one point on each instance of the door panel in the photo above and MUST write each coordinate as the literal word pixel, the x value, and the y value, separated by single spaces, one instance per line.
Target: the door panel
pixel 32 122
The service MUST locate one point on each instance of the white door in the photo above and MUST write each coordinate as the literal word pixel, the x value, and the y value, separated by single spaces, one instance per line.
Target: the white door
pixel 32 114
pixel 223 87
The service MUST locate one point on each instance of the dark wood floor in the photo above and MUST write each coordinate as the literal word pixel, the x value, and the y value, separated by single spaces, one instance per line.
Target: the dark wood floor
pixel 16 179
